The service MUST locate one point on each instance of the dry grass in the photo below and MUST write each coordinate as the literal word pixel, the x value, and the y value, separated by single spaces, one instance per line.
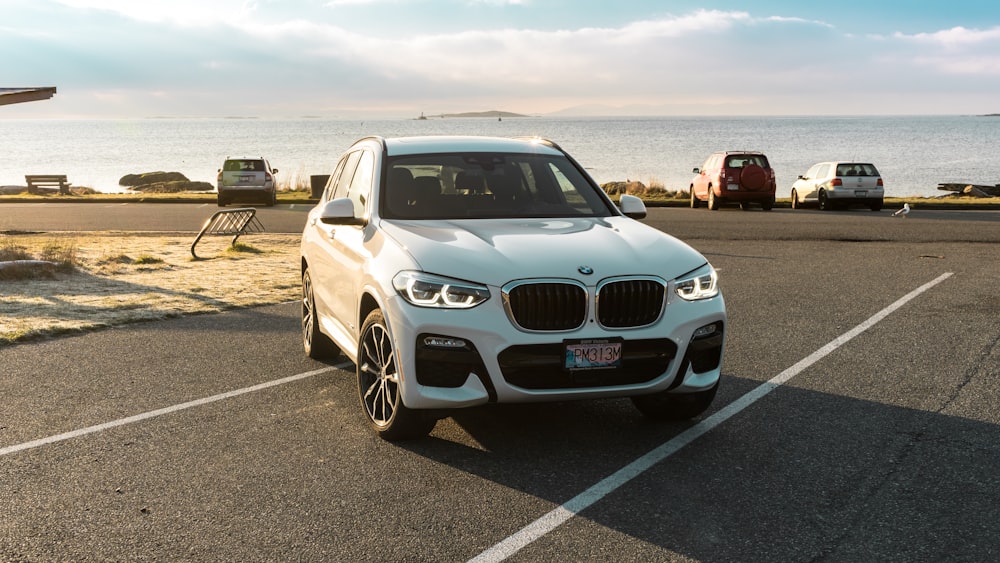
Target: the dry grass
pixel 117 278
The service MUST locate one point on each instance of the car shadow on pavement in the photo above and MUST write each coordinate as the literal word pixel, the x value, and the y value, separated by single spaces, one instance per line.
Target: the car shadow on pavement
pixel 799 475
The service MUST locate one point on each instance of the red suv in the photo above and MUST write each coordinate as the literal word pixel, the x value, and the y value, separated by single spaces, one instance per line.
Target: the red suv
pixel 742 177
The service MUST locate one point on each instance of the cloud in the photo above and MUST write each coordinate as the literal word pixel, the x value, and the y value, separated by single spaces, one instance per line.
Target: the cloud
pixel 955 37
pixel 234 57
pixel 957 51
pixel 198 13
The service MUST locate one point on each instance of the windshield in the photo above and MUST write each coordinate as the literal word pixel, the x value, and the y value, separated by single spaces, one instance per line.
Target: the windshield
pixel 487 185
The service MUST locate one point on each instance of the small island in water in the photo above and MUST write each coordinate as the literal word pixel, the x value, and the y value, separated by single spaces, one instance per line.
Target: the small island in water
pixel 493 113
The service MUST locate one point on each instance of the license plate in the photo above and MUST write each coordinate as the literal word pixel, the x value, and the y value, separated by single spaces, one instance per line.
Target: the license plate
pixel 732 187
pixel 860 193
pixel 593 354
pixel 246 178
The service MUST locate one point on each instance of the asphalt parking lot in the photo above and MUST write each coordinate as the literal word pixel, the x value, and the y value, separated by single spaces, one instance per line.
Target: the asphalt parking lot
pixel 857 420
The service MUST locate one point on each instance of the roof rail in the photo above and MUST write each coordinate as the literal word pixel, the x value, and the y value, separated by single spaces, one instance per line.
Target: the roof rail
pixel 542 140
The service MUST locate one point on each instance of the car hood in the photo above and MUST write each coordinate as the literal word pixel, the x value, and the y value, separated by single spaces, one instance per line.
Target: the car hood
pixel 496 251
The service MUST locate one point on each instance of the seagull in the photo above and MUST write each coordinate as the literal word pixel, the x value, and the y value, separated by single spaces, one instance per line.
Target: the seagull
pixel 904 211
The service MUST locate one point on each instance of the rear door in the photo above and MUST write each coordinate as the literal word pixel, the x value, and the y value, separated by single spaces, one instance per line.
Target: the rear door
pixel 319 241
pixel 702 180
pixel 823 178
pixel 339 250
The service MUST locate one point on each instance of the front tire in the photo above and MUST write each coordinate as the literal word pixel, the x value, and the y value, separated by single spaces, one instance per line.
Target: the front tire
pixel 675 406
pixel 317 345
pixel 379 385
pixel 695 202
pixel 796 204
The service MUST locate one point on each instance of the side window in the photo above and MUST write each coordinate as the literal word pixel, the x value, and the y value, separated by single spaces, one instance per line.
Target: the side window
pixel 824 171
pixel 361 185
pixel 813 172
pixel 346 175
pixel 331 183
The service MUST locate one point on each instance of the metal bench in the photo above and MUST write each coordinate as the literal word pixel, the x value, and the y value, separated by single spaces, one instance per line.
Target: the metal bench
pixel 36 182
pixel 227 222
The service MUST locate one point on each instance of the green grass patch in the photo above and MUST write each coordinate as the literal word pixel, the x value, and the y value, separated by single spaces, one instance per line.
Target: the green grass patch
pixel 116 259
pixel 18 262
pixel 147 259
pixel 240 248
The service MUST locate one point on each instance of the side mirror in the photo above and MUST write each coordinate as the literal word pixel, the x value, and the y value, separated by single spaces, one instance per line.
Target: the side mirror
pixel 274 171
pixel 632 207
pixel 697 171
pixel 339 212
pixel 801 177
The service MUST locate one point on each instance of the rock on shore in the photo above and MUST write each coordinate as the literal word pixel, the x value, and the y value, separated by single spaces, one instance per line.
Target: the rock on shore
pixel 163 182
pixel 971 190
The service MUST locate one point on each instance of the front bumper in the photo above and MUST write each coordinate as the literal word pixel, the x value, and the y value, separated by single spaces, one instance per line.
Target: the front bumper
pixel 498 363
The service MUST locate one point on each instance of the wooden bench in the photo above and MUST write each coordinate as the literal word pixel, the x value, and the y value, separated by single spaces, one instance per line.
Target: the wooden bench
pixel 36 182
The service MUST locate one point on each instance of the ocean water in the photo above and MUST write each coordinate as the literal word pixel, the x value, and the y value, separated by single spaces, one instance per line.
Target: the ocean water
pixel 914 154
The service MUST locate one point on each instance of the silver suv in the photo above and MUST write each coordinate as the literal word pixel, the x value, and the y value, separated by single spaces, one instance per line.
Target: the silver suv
pixel 246 179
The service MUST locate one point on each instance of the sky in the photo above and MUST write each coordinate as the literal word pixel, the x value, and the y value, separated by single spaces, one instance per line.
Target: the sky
pixel 400 58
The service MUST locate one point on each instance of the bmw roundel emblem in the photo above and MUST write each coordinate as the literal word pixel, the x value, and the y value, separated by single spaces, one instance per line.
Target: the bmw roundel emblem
pixel 585 270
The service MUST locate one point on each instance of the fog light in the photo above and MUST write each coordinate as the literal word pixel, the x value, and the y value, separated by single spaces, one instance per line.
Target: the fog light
pixel 705 331
pixel 443 342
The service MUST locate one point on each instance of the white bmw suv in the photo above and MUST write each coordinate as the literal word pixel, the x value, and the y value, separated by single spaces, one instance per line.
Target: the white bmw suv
pixel 460 271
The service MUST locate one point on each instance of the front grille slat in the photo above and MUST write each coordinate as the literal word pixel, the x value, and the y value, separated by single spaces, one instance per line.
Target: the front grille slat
pixel 552 306
pixel 548 306
pixel 630 303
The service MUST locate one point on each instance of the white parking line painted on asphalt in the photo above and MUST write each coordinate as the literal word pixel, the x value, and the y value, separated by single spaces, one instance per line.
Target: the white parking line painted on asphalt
pixel 575 505
pixel 159 412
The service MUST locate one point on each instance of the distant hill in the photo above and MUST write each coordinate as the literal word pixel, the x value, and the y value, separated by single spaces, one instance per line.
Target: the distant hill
pixel 492 113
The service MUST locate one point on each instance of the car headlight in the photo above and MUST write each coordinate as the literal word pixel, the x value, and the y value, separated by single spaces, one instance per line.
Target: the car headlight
pixel 427 290
pixel 702 283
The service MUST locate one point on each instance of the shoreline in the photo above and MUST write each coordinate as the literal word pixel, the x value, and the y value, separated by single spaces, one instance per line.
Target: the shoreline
pixel 943 202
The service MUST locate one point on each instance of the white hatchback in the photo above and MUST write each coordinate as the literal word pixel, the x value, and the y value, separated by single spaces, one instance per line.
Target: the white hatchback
pixel 839 184
pixel 460 271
